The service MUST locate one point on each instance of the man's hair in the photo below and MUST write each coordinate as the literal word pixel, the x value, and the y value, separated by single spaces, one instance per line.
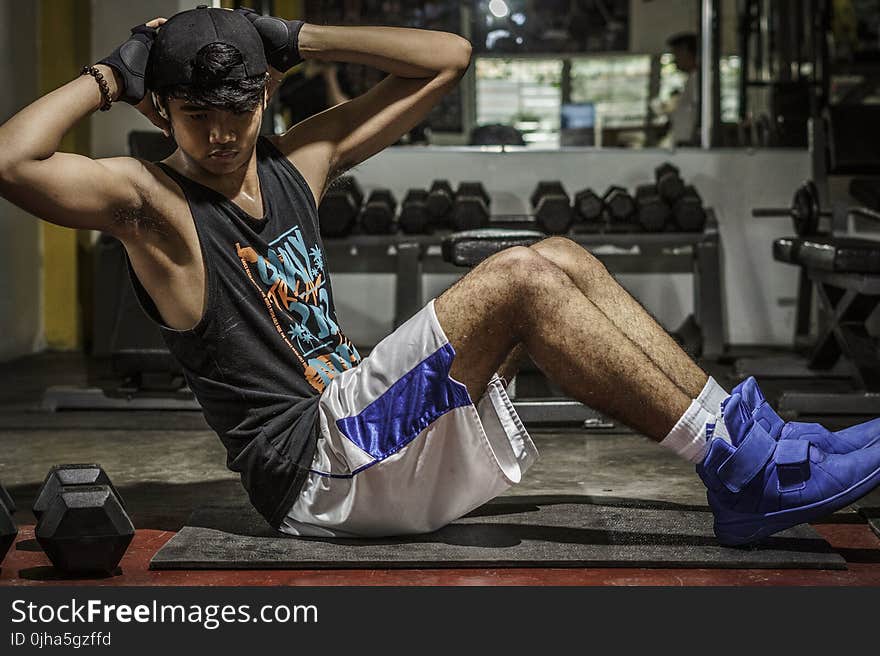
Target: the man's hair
pixel 210 87
pixel 686 40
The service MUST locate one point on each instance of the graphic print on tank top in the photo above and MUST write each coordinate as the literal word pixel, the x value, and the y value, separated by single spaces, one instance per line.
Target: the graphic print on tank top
pixel 293 285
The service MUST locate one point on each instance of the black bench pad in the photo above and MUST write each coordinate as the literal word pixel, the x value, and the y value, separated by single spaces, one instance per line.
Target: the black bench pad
pixel 785 249
pixel 470 247
pixel 840 254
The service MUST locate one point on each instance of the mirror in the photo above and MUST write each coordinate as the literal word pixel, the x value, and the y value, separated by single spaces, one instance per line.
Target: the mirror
pixel 563 73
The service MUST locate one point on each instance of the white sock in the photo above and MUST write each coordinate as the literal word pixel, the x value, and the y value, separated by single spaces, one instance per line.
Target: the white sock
pixel 690 435
pixel 711 397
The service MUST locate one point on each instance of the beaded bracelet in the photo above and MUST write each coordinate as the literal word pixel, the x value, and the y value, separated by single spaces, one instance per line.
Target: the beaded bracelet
pixel 102 83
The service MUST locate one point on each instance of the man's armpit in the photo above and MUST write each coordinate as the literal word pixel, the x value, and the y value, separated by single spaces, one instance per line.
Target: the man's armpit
pixel 139 221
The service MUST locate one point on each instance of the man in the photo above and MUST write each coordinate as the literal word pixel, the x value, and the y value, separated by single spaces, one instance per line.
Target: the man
pixel 225 254
pixel 685 115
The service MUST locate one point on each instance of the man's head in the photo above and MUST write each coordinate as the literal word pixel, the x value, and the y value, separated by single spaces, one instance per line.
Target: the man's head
pixel 208 73
pixel 684 49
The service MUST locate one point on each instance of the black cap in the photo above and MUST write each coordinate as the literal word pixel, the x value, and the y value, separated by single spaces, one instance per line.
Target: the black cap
pixel 183 35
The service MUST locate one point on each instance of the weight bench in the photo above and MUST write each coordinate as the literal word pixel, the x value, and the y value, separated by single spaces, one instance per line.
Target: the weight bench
pixel 846 274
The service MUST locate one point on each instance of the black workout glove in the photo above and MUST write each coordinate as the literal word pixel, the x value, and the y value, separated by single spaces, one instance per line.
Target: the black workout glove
pixel 280 38
pixel 130 61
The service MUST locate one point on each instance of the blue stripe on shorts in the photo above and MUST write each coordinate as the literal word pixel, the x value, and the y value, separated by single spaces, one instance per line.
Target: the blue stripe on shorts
pixel 407 407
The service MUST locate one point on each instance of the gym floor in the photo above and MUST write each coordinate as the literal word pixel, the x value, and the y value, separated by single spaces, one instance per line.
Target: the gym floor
pixel 166 464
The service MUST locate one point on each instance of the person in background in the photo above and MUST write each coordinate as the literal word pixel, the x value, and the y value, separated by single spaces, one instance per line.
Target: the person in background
pixel 684 116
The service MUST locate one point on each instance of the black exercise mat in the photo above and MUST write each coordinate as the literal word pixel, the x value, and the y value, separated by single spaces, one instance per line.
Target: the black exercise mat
pixel 570 531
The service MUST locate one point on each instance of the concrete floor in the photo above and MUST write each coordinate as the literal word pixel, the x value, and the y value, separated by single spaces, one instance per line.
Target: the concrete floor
pixel 165 464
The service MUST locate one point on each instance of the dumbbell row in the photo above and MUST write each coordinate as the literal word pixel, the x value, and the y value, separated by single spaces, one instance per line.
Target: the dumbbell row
pixel 666 204
pixel 82 525
pixel 343 208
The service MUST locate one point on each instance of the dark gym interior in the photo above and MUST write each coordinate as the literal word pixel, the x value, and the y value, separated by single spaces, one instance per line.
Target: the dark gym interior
pixel 736 197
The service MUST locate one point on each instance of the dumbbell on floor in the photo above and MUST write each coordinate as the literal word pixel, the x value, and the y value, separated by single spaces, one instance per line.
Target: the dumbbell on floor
pixel 340 207
pixel 377 216
pixel 552 207
pixel 83 526
pixel 8 529
pixel 6 500
pixel 69 475
pixel 471 209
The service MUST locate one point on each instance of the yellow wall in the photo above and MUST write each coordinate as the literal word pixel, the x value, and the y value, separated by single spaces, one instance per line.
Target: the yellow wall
pixel 289 9
pixel 64 29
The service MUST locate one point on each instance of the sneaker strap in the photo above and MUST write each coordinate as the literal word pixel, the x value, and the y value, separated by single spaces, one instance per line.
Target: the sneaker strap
pixel 792 464
pixel 748 460
pixel 769 420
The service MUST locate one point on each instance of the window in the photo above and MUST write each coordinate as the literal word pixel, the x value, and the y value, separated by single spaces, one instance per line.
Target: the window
pixel 672 81
pixel 524 93
pixel 730 75
pixel 616 85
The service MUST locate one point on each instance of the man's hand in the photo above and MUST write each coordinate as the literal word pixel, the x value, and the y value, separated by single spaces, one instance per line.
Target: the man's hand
pixel 129 61
pixel 280 38
pixel 145 104
pixel 146 107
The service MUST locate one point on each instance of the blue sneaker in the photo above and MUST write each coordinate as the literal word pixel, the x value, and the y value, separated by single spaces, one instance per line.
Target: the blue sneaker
pixel 843 441
pixel 759 486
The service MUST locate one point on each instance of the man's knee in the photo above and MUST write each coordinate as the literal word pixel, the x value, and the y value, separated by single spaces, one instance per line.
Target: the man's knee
pixel 572 258
pixel 523 268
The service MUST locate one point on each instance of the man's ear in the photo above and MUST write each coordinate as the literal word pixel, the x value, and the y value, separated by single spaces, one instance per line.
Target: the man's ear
pixel 158 105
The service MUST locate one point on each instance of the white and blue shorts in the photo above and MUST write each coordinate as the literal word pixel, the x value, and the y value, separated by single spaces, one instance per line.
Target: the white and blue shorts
pixel 403 449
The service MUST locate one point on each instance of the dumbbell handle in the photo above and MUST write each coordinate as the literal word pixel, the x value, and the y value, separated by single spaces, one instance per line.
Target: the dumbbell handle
pixel 764 212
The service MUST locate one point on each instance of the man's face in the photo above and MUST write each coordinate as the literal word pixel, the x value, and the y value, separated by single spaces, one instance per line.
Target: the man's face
pixel 219 141
pixel 685 60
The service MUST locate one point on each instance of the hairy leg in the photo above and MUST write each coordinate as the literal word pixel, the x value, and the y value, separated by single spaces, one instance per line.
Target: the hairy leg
pixel 519 297
pixel 594 281
pixel 510 366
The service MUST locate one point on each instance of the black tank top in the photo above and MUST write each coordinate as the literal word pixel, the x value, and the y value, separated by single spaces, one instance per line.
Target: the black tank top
pixel 268 342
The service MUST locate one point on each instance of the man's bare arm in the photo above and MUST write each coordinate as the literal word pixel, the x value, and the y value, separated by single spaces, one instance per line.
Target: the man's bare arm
pixel 423 66
pixel 65 189
pixel 72 190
